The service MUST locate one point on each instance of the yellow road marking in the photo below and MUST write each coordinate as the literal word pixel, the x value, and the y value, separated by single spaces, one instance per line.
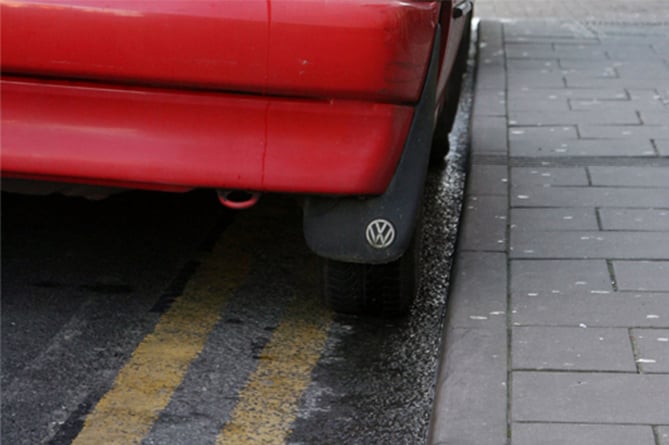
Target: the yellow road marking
pixel 267 406
pixel 144 386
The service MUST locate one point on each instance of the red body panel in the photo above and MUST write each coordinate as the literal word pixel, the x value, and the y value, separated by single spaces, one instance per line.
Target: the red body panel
pixel 375 49
pixel 362 49
pixel 298 96
pixel 163 139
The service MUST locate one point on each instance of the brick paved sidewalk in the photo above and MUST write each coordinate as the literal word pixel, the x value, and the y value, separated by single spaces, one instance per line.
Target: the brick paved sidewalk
pixel 582 10
pixel 558 328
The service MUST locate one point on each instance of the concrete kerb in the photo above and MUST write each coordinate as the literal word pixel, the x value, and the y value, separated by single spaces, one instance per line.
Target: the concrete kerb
pixel 472 390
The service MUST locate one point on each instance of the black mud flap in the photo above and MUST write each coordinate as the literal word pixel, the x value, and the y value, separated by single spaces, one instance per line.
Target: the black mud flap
pixel 379 229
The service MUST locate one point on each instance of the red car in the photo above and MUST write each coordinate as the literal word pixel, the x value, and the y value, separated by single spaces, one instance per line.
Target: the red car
pixel 337 101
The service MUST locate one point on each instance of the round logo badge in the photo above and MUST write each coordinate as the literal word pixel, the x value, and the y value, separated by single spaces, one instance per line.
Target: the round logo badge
pixel 380 233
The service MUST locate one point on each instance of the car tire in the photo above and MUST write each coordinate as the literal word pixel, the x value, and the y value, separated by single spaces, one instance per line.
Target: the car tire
pixel 373 289
pixel 440 144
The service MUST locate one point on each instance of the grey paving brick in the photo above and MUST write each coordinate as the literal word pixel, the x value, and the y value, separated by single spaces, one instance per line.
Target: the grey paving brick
pixel 471 390
pixel 533 277
pixel 590 398
pixel 643 275
pixel 577 81
pixel 532 196
pixel 488 180
pixel 579 44
pixel 524 46
pixel 663 435
pixel 484 223
pixel 630 176
pixel 631 33
pixel 655 117
pixel 653 349
pixel 520 104
pixel 533 65
pixel 580 147
pixel 587 66
pixel 592 53
pixel 648 94
pixel 634 219
pixel 546 28
pixel 574 94
pixel 642 52
pixel 480 289
pixel 489 135
pixel 600 309
pixel 648 70
pixel 588 53
pixel 537 134
pixel 590 68
pixel 589 245
pixel 661 47
pixel 583 68
pixel 553 118
pixel 605 105
pixel 577 434
pixel 554 31
pixel 572 348
pixel 532 80
pixel 589 72
pixel 637 66
pixel 629 132
pixel 553 219
pixel 523 176
pixel 662 147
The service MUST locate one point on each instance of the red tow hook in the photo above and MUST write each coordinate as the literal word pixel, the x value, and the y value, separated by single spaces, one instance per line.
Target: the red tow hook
pixel 238 199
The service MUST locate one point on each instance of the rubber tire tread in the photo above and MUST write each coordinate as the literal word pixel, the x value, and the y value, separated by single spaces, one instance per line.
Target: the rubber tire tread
pixel 372 289
pixel 344 286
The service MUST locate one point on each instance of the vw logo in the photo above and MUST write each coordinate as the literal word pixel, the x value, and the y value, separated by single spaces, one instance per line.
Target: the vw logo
pixel 380 233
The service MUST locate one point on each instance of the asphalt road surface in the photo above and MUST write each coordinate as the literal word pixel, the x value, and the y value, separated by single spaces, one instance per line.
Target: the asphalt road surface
pixel 160 318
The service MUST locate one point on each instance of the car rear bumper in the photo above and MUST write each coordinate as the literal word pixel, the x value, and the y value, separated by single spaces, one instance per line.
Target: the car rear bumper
pixel 178 140
pixel 375 50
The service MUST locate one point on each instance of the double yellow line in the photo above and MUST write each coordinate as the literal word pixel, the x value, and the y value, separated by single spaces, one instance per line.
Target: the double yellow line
pixel 268 403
